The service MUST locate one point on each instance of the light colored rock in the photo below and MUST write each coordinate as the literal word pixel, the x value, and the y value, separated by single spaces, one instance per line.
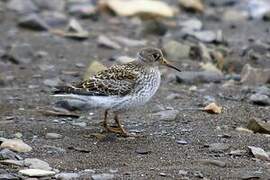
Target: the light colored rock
pixel 166 115
pixel 104 176
pixel 218 147
pixel 124 59
pixel 213 108
pixel 245 130
pixel 53 136
pixel 259 126
pixel 36 172
pixel 259 153
pixel 260 99
pixel 107 42
pixel 233 15
pixel 52 82
pixel 212 162
pixel 207 35
pixel 35 163
pixel 12 162
pixel 22 7
pixel 67 176
pixel 254 76
pixel 139 7
pixel 16 145
pixel 195 5
pixel 191 25
pixel 93 68
pixel 129 42
pixel 176 50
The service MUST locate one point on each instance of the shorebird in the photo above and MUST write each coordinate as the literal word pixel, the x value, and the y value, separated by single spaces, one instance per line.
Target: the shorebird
pixel 120 87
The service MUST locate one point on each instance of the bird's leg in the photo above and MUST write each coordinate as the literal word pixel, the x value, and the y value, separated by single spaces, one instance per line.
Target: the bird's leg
pixel 120 127
pixel 107 127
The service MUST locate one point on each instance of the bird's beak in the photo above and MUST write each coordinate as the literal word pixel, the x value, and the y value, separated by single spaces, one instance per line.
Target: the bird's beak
pixel 166 63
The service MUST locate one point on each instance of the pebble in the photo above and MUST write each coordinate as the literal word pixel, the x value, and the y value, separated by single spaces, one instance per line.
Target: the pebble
pixel 191 25
pixel 51 5
pixel 182 142
pixel 238 152
pixel 212 162
pixel 8 176
pixel 104 176
pixel 20 53
pixel 264 90
pixel 176 50
pixel 8 154
pixel 233 15
pixel 218 147
pixel 254 76
pixel 12 162
pixel 166 115
pixel 82 10
pixel 182 172
pixel 80 124
pixel 194 5
pixel 36 172
pixel 35 163
pixel 105 41
pixel 33 22
pixel 260 99
pixel 259 153
pixel 52 82
pixel 67 176
pixel 207 36
pixel 194 77
pixel 127 42
pixel 259 126
pixel 53 136
pixel 16 145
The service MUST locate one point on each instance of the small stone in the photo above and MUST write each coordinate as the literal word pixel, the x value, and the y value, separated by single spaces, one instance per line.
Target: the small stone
pixel 20 53
pixel 22 7
pixel 52 82
pixel 53 136
pixel 176 51
pixel 142 151
pixel 54 19
pixel 212 162
pixel 81 124
pixel 264 90
pixel 36 172
pixel 12 162
pixel 193 5
pixel 213 108
pixel 129 42
pixel 16 145
pixel 238 152
pixel 182 142
pixel 191 25
pixel 259 153
pixel 33 22
pixel 35 163
pixel 163 174
pixel 241 129
pixel 173 96
pixel 259 126
pixel 203 52
pixel 104 176
pixel 182 172
pixel 67 176
pixel 93 68
pixel 105 41
pixel 194 77
pixel 207 36
pixel 166 115
pixel 218 147
pixel 254 76
pixel 8 154
pixel 6 176
pixel 82 10
pixel 260 99
pixel 123 59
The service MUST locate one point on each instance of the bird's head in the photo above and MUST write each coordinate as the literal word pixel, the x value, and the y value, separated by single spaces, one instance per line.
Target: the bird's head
pixel 154 57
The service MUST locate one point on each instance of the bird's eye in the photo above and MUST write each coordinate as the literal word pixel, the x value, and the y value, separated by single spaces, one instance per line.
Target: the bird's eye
pixel 156 56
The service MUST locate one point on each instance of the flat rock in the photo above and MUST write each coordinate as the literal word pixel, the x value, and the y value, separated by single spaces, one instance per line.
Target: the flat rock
pixel 218 147
pixel 105 41
pixel 166 115
pixel 20 53
pixel 104 176
pixel 254 76
pixel 259 153
pixel 176 50
pixel 129 42
pixel 52 82
pixel 33 22
pixel 212 162
pixel 260 99
pixel 193 77
pixel 193 5
pixel 67 176
pixel 82 10
pixel 7 176
pixel 191 25
pixel 259 126
pixel 36 172
pixel 35 163
pixel 140 7
pixel 8 154
pixel 12 162
pixel 53 136
pixel 16 145
pixel 207 36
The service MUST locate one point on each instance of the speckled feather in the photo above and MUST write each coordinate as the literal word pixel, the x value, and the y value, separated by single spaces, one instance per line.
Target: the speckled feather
pixel 117 80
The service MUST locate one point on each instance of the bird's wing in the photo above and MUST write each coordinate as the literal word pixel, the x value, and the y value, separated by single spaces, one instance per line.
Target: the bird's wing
pixel 118 80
